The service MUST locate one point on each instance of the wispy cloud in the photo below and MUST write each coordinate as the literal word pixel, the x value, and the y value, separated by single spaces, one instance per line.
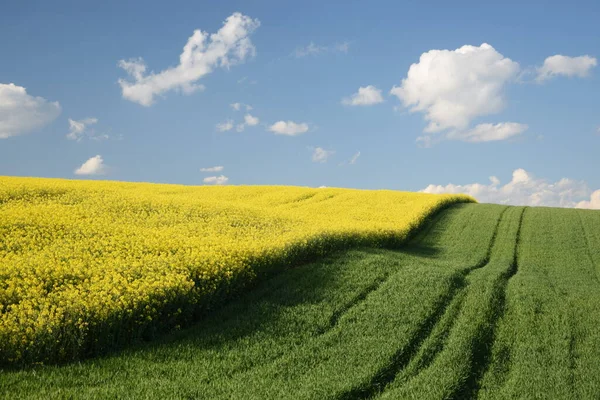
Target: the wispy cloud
pixel 489 132
pixel 245 79
pixel 217 168
pixel 313 49
pixel 351 161
pixel 239 106
pixel 354 158
pixel 320 155
pixel 82 128
pixel 225 126
pixel 249 120
pixel 202 53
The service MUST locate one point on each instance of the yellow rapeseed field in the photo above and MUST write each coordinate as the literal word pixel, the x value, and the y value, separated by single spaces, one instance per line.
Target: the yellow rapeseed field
pixel 88 265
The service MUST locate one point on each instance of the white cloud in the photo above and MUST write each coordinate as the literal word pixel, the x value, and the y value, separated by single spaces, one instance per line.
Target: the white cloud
pixel 365 96
pixel 250 120
pixel 565 65
pixel 218 168
pixel 201 54
pixel 78 129
pixel 245 79
pixel 225 126
pixel 21 113
pixel 489 132
pixel 523 189
pixel 593 202
pixel 354 158
pixel 216 180
pixel 239 106
pixel 351 161
pixel 452 87
pixel 312 49
pixel 93 166
pixel 342 47
pixel 320 155
pixel 289 128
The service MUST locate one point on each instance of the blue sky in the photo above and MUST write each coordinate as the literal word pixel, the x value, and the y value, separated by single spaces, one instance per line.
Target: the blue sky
pixel 505 90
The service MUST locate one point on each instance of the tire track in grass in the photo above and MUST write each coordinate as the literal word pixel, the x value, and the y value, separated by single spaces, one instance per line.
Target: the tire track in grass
pixel 434 343
pixel 445 368
pixel 362 295
pixel 588 247
pixel 403 357
pixel 483 346
pixel 437 340
pixel 418 238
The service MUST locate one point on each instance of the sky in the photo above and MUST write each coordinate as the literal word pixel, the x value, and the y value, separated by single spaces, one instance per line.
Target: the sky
pixel 500 100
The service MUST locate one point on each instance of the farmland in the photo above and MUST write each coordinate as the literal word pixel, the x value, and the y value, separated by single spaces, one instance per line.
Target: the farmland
pixel 485 302
pixel 482 301
pixel 86 267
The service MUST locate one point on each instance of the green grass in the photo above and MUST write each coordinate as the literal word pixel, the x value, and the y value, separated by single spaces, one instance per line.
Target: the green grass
pixel 486 302
pixel 548 341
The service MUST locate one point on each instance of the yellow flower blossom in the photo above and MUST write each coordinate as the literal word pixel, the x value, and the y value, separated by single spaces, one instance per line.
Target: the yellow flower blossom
pixel 85 265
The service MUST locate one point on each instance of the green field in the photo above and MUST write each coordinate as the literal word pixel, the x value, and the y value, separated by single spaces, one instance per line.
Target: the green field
pixel 486 301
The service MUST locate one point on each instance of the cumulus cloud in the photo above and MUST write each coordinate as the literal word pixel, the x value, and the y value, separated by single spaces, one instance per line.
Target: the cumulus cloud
pixel 93 166
pixel 216 180
pixel 288 128
pixel 365 96
pixel 217 168
pixel 567 66
pixel 453 87
pixel 524 189
pixel 225 126
pixel 320 155
pixel 201 54
pixel 593 202
pixel 250 120
pixel 489 132
pixel 21 113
